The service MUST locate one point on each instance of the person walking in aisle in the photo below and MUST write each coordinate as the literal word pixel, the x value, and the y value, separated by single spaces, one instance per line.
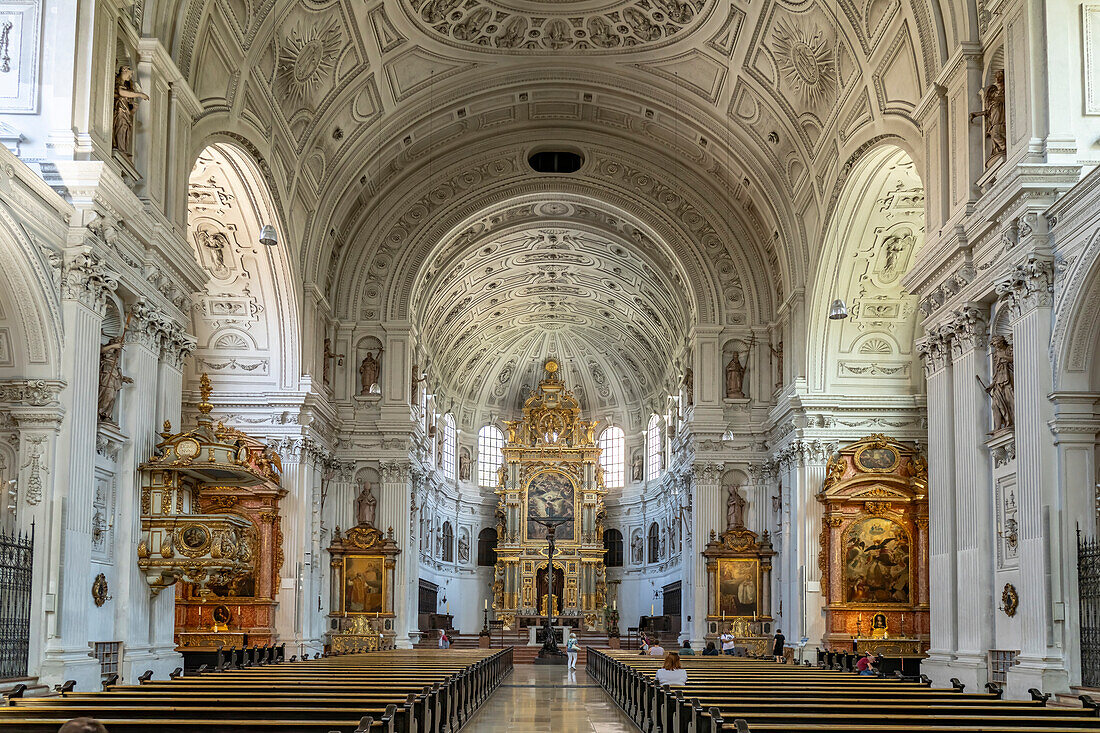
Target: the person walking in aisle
pixel 571 648
pixel 777 647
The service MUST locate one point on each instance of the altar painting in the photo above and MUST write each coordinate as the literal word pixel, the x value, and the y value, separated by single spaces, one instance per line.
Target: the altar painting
pixel 876 564
pixel 738 586
pixel 364 584
pixel 550 494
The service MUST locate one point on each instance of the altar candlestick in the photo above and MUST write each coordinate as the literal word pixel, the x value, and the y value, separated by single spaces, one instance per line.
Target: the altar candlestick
pixel 650 609
pixel 486 604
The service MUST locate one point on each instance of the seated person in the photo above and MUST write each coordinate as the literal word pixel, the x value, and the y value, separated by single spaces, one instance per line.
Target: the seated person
pixel 672 673
pixel 866 665
pixel 686 649
pixel 657 650
pixel 644 645
pixel 711 650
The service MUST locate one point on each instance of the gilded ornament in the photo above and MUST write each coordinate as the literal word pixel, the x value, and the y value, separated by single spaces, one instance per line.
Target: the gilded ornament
pixel 1010 600
pixel 99 590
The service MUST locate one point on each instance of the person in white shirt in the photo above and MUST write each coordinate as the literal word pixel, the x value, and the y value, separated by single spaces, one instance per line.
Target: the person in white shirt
pixel 571 649
pixel 672 673
pixel 656 650
pixel 727 643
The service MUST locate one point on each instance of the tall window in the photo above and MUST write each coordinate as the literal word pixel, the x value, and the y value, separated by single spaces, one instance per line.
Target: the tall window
pixel 613 547
pixel 490 455
pixel 487 547
pixel 448 543
pixel 449 447
pixel 613 458
pixel 654 542
pixel 653 441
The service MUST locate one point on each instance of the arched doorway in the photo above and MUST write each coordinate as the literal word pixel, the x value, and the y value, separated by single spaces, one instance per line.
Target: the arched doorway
pixel 542 590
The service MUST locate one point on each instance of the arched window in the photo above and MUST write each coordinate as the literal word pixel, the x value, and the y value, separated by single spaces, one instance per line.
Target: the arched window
pixel 613 458
pixel 487 547
pixel 448 543
pixel 654 542
pixel 613 548
pixel 490 455
pixel 653 440
pixel 449 447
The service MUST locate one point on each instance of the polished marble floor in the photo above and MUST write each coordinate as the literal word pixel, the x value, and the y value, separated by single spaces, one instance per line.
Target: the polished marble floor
pixel 544 698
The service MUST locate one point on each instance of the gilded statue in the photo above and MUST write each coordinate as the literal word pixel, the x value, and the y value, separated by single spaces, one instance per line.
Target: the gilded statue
pixel 111 378
pixel 1001 387
pixel 735 508
pixel 994 114
pixel 370 371
pixel 735 378
pixel 126 101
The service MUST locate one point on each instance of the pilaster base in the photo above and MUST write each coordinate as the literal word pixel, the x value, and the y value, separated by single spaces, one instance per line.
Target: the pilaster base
pixel 61 665
pixel 972 670
pixel 1047 675
pixel 938 666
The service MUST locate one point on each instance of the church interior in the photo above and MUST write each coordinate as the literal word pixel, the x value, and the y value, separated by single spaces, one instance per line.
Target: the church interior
pixel 362 360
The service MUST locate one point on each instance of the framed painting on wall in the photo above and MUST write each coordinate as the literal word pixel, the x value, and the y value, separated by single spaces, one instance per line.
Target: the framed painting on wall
pixel 876 562
pixel 738 587
pixel 551 494
pixel 364 584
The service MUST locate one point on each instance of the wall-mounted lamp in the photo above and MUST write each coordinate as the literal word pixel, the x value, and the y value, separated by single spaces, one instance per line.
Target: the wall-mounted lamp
pixel 838 310
pixel 268 237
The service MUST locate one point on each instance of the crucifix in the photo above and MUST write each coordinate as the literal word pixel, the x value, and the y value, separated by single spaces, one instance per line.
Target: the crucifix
pixel 550 653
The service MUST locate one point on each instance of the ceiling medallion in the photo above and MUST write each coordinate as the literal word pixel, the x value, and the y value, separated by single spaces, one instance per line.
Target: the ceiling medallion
pixel 307 56
pixel 547 27
pixel 806 61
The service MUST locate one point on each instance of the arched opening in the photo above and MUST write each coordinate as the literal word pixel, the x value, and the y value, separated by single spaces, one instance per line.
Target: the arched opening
pixel 613 548
pixel 447 539
pixel 490 455
pixel 654 540
pixel 612 444
pixel 487 547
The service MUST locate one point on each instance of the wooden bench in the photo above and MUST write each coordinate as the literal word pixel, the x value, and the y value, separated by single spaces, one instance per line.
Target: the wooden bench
pixel 737 694
pixel 391 692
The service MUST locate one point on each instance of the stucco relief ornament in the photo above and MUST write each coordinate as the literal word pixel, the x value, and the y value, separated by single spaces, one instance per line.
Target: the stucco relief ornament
pixel 806 61
pixel 509 26
pixel 306 57
pixel 126 100
pixel 36 466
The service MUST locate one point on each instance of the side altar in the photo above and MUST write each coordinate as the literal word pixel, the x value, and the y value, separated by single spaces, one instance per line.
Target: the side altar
pixel 739 572
pixel 362 562
pixel 551 469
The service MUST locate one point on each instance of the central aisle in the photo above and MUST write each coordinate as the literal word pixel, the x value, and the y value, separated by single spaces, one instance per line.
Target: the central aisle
pixel 545 698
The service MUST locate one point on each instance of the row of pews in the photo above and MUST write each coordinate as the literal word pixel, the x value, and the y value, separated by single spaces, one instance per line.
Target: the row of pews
pixel 737 694
pixel 407 691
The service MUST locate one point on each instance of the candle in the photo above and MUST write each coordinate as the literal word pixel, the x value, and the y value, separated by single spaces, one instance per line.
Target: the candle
pixel 448 608
pixel 650 609
pixel 486 604
pixel 614 605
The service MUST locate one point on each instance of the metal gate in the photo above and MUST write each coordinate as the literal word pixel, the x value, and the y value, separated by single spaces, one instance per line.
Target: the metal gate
pixel 1088 584
pixel 16 563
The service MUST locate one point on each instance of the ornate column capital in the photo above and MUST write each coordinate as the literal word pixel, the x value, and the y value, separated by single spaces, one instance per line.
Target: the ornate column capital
pixel 934 351
pixel 85 279
pixel 966 330
pixel 148 325
pixel 706 473
pixel 395 472
pixel 30 392
pixel 176 346
pixel 1029 285
pixel 804 452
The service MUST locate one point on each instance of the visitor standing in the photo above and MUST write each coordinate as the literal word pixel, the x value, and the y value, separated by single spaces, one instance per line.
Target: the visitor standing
pixel 777 647
pixel 571 648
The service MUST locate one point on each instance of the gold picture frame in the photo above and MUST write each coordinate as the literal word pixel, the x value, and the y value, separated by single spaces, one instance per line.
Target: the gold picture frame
pixel 550 503
pixel 737 587
pixel 363 586
pixel 877 458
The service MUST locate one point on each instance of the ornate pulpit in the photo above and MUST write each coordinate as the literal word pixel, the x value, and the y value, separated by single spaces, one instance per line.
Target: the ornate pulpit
pixel 874 548
pixel 551 468
pixel 362 562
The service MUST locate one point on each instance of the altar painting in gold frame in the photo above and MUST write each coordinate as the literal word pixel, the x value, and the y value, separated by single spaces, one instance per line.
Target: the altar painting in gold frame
pixel 551 494
pixel 738 588
pixel 364 584
pixel 877 562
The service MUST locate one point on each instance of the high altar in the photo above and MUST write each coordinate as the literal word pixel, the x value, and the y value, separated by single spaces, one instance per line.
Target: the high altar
pixel 874 548
pixel 551 468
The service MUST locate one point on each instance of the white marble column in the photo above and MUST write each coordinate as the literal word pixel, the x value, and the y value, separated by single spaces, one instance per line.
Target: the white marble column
pixel 297 620
pixel 394 509
pixel 811 458
pixel 974 529
pixel 85 283
pixel 1029 294
pixel 707 515
pixel 942 571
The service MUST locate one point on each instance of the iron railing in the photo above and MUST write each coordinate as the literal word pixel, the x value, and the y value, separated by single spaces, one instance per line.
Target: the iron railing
pixel 1088 583
pixel 16 571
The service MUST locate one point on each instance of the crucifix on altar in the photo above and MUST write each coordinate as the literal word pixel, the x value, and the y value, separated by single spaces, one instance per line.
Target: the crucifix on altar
pixel 550 653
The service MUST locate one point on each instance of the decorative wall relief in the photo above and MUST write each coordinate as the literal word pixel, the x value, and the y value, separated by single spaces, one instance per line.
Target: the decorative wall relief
pixel 806 61
pixel 506 26
pixel 19 53
pixel 35 465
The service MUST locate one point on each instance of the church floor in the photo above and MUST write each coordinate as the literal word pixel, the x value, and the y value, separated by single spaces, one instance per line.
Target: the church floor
pixel 544 698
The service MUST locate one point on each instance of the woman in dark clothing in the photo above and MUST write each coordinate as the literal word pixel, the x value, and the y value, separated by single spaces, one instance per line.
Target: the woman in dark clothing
pixel 777 648
pixel 711 650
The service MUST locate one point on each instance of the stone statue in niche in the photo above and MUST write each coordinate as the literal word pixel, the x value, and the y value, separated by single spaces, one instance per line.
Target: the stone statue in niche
pixel 994 113
pixel 111 378
pixel 370 371
pixel 636 467
pixel 636 547
pixel 689 385
pixel 464 465
pixel 464 548
pixel 1001 387
pixel 366 506
pixel 777 352
pixel 735 508
pixel 414 387
pixel 735 378
pixel 326 361
pixel 126 101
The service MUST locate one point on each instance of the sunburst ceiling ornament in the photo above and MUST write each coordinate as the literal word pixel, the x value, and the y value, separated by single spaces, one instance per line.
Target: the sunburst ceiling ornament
pixel 307 57
pixel 806 62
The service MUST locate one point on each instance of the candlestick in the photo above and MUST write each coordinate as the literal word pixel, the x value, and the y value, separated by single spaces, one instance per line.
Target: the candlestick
pixel 486 604
pixel 650 609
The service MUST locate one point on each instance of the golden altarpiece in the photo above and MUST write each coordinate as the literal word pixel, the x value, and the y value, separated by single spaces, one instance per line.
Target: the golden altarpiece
pixel 551 468
pixel 874 548
pixel 210 526
pixel 739 581
pixel 362 562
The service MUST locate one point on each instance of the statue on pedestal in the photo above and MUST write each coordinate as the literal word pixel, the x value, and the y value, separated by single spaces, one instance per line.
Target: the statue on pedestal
pixel 126 101
pixel 689 385
pixel 735 508
pixel 464 465
pixel 636 467
pixel 111 378
pixel 370 371
pixel 1001 386
pixel 735 378
pixel 326 360
pixel 366 506
pixel 636 547
pixel 994 113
